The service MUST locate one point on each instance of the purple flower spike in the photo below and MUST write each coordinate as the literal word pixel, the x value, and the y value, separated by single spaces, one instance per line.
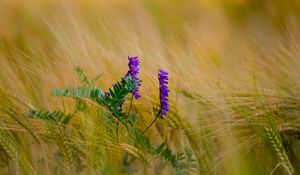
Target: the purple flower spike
pixel 163 92
pixel 133 64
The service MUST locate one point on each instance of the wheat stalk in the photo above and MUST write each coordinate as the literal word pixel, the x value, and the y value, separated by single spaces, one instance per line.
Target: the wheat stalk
pixel 279 149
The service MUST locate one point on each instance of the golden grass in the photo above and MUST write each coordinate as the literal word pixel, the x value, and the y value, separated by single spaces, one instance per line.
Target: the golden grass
pixel 225 59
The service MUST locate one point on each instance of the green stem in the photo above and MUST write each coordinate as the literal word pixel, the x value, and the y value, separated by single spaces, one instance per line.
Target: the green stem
pixel 117 131
pixel 152 123
pixel 130 106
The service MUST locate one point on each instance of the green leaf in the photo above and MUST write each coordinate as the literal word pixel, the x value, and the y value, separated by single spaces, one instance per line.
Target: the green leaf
pixel 113 102
pixel 82 75
pixel 47 116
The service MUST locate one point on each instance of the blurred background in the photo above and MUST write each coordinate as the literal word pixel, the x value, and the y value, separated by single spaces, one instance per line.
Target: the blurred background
pixel 203 42
pixel 221 55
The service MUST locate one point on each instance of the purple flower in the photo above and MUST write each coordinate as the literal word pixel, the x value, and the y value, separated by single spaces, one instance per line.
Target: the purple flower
pixel 107 94
pixel 163 92
pixel 133 64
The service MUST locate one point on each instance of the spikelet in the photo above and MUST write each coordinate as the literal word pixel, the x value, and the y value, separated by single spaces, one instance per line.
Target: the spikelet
pixel 139 154
pixel 173 119
pixel 278 148
pixel 11 147
pixel 68 151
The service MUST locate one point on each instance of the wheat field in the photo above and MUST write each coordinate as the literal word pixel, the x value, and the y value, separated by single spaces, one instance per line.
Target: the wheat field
pixel 233 77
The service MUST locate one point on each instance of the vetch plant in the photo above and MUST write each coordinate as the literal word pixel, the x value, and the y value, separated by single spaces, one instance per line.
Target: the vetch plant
pixel 163 96
pixel 134 69
pixel 137 145
pixel 163 93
